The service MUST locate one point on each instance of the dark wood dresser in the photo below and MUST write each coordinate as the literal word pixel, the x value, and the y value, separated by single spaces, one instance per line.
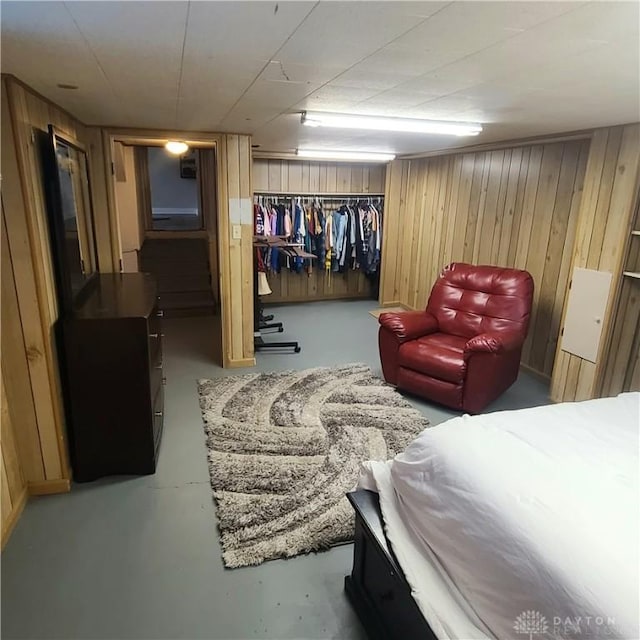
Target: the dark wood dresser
pixel 111 362
pixel 377 588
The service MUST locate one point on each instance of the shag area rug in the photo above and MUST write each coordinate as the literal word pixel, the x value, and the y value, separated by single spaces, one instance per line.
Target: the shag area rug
pixel 285 447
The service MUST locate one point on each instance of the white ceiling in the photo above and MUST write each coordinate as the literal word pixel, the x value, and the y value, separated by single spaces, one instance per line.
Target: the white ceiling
pixel 520 68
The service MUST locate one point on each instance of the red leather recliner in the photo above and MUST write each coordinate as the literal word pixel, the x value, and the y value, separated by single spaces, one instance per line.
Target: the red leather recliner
pixel 463 351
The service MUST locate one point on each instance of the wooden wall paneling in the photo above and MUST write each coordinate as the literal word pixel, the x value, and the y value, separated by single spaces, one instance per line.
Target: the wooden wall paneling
pixel 602 205
pixel 503 237
pixel 245 164
pixel 451 210
pixel 322 177
pixel 528 207
pixel 377 178
pixel 7 507
pixel 119 162
pixel 103 202
pixel 475 200
pixel 314 177
pixel 624 335
pixel 224 231
pixel 620 367
pixel 236 254
pixel 294 182
pixel 25 117
pixel 407 230
pixel 274 176
pixel 15 359
pixel 284 173
pixel 432 268
pixel 261 173
pixel 487 210
pixel 499 221
pixel 462 207
pixel 624 195
pixel 23 205
pixel 412 225
pixel 479 214
pixel 617 197
pixel 551 261
pixel 550 170
pixel 423 232
pixel 404 220
pixel 14 487
pixel 610 192
pixel 512 207
pixel 235 248
pixel 332 178
pixel 562 286
pixel 106 178
pixel 518 209
pixel 306 176
pixel 390 233
pixel 344 178
pixel 357 181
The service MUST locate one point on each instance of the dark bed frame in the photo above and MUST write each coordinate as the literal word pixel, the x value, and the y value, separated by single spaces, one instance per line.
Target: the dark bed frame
pixel 377 588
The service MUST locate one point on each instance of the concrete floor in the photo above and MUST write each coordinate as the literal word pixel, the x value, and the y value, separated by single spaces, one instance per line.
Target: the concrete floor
pixel 139 557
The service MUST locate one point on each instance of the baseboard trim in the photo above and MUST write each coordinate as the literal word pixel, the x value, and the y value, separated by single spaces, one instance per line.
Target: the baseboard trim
pixel 384 305
pixel 244 362
pixel 14 516
pixel 47 487
pixel 535 373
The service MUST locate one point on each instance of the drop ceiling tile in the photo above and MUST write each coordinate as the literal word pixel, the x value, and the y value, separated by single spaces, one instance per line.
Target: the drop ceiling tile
pixel 360 77
pixel 395 99
pixel 277 71
pixel 132 28
pixel 343 33
pixel 239 30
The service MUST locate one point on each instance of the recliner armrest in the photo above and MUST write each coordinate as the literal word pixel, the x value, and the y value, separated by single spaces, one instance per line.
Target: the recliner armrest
pixel 409 325
pixel 494 343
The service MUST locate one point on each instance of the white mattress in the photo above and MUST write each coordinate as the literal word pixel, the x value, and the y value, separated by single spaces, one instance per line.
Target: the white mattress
pixel 533 511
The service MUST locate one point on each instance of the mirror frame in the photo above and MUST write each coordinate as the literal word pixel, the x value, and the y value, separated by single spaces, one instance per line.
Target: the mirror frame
pixel 67 298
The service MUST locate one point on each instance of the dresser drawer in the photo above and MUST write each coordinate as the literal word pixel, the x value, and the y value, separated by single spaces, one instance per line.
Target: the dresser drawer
pixel 155 336
pixel 158 418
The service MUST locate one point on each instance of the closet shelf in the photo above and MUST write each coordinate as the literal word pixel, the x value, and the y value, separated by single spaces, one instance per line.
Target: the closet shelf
pixel 631 274
pixel 318 194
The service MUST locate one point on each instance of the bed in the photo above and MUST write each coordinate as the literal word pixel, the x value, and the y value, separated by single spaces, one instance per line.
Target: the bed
pixel 515 524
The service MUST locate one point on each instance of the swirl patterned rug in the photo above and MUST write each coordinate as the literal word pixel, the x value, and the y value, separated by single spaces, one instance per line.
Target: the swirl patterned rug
pixel 285 447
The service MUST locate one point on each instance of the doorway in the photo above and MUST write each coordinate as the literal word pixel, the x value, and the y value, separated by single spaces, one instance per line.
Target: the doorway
pixel 168 225
pixel 172 185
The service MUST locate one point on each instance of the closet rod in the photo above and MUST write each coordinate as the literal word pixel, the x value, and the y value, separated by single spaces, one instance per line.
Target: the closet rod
pixel 317 194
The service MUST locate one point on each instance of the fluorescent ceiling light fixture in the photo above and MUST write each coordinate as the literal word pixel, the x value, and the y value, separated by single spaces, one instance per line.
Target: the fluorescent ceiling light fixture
pixel 176 147
pixel 380 123
pixel 362 156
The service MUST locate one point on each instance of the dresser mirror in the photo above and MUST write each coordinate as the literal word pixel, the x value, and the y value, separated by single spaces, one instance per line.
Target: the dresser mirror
pixel 67 188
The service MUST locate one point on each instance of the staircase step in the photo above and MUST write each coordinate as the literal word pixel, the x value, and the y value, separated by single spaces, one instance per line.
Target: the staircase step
pixel 182 283
pixel 171 267
pixel 175 249
pixel 186 300
pixel 181 267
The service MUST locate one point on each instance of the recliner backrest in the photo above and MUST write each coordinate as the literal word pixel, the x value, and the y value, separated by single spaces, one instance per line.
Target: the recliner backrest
pixel 468 300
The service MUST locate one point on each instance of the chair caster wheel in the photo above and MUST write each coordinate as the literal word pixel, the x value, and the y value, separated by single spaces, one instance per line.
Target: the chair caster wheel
pixel 297 350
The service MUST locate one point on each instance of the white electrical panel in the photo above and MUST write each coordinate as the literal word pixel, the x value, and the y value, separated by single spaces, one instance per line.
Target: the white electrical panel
pixel 585 312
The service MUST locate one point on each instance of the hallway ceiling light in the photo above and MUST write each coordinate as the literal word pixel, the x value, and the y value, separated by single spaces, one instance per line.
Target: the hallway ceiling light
pixel 362 156
pixel 379 123
pixel 176 147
